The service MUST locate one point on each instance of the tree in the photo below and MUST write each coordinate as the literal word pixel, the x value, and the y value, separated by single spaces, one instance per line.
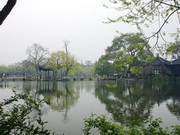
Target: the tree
pixel 174 50
pixel 69 60
pixel 3 69
pixel 129 51
pixel 88 63
pixel 37 55
pixel 27 68
pixel 147 12
pixel 104 67
pixel 61 61
pixel 6 10
pixel 69 63
pixel 9 70
pixel 87 68
pixel 55 62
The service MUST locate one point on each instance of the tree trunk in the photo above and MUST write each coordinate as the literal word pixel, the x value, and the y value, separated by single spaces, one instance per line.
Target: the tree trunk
pixel 6 10
pixel 54 75
pixel 128 72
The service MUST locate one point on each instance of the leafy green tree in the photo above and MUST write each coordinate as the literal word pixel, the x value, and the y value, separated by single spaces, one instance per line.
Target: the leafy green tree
pixel 56 62
pixel 147 12
pixel 174 50
pixel 70 63
pixel 129 51
pixel 104 67
pixel 61 61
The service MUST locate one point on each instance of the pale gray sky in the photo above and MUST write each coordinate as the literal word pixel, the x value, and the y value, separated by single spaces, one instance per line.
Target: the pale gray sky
pixel 50 22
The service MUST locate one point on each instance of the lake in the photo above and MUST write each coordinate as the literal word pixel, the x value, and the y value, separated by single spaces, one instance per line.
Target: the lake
pixel 122 101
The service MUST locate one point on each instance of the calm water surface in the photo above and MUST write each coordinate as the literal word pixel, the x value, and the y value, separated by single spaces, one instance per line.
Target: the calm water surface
pixel 71 102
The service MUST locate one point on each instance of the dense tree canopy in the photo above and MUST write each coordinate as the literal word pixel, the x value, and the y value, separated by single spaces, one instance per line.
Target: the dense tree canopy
pixel 127 53
pixel 130 51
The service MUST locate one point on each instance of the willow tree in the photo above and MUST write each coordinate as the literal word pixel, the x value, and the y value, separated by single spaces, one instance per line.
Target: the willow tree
pixel 147 12
pixel 6 10
pixel 60 61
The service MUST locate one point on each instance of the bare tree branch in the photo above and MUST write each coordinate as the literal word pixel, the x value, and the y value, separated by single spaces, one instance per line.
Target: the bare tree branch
pixel 161 2
pixel 165 21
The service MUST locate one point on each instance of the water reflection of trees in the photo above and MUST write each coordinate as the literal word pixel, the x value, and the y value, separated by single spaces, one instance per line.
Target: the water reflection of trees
pixel 174 105
pixel 133 100
pixel 62 95
pixel 165 91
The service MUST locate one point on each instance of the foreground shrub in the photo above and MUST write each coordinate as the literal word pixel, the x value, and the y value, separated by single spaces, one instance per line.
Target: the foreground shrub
pixel 105 127
pixel 16 116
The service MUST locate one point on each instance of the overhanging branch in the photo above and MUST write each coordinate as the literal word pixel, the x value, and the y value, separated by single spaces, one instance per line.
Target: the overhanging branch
pixel 176 6
pixel 6 10
pixel 165 21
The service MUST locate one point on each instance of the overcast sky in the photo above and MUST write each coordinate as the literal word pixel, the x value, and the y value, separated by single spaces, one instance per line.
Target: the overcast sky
pixel 50 22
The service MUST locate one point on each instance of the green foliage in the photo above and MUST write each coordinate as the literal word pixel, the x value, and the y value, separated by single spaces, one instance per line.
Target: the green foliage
pixel 88 69
pixel 149 58
pixel 134 70
pixel 15 116
pixel 8 69
pixel 158 77
pixel 173 50
pixel 61 61
pixel 56 60
pixel 128 52
pixel 104 67
pixel 105 127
